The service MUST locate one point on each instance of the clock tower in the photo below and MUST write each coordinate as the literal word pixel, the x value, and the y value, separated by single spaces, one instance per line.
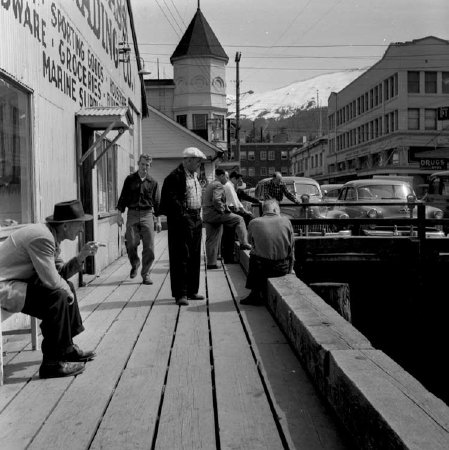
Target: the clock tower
pixel 199 64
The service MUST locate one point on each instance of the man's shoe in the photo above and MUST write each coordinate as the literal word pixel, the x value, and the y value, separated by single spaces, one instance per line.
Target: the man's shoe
pixel 56 369
pixel 245 247
pixel 212 267
pixel 182 301
pixel 78 355
pixel 147 280
pixel 251 300
pixel 195 297
pixel 134 269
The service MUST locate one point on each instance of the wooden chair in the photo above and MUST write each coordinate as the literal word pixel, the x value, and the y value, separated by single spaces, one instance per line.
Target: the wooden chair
pixel 17 327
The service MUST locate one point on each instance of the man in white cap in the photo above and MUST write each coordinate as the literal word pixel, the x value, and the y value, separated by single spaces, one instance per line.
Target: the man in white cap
pixel 181 203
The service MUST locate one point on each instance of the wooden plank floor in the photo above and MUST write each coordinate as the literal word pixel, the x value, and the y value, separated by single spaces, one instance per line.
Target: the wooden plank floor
pixel 212 375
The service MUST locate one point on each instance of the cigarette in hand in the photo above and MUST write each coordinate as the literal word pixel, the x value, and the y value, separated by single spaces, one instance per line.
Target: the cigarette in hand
pixel 100 244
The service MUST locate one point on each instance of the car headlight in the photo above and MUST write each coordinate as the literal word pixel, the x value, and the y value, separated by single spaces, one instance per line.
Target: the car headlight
pixel 372 213
pixel 438 214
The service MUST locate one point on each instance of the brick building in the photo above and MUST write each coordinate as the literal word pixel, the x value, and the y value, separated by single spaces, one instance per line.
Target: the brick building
pixel 260 160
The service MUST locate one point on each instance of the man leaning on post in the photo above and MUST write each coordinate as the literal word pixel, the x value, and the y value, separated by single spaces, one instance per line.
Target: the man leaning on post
pixel 34 281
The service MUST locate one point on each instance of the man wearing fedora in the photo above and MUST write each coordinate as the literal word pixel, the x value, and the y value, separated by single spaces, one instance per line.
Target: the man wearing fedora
pixel 140 194
pixel 181 203
pixel 34 281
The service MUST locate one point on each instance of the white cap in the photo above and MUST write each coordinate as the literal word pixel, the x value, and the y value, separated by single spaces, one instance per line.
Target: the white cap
pixel 193 152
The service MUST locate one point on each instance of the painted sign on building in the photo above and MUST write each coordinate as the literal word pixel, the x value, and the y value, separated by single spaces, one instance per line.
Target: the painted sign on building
pixel 433 163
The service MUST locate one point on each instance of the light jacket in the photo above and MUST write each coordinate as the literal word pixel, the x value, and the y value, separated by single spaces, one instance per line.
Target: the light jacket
pixel 31 255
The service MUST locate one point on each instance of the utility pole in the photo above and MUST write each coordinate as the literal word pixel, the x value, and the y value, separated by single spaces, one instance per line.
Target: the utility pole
pixel 320 127
pixel 238 55
pixel 158 68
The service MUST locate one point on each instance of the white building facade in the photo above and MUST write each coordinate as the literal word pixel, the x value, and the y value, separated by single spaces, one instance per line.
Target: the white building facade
pixel 70 112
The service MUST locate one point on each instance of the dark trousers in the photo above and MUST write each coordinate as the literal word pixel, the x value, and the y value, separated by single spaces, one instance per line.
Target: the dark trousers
pixel 61 322
pixel 184 249
pixel 260 269
pixel 140 227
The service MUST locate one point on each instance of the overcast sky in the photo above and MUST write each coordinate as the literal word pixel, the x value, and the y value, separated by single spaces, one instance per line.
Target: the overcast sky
pixel 284 41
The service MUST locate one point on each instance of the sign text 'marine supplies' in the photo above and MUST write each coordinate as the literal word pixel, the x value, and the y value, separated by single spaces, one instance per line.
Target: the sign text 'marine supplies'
pixel 69 62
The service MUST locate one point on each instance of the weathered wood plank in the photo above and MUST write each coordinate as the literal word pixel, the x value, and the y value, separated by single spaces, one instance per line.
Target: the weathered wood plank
pixel 244 416
pixel 86 399
pixel 104 326
pixel 306 422
pixel 130 420
pixel 187 415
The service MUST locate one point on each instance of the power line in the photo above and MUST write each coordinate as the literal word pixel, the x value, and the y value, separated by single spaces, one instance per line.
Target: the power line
pixel 168 20
pixel 334 69
pixel 385 58
pixel 305 46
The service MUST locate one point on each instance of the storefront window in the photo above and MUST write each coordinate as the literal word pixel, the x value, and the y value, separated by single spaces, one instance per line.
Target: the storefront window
pixel 107 179
pixel 15 156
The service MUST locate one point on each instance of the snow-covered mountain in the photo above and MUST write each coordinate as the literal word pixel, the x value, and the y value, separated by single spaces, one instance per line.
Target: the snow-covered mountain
pixel 283 102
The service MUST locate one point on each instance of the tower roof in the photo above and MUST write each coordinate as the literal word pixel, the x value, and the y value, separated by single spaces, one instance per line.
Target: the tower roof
pixel 199 40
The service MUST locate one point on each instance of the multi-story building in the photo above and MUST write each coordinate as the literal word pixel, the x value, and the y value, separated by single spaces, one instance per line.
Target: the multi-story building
pixel 385 122
pixel 261 160
pixel 310 160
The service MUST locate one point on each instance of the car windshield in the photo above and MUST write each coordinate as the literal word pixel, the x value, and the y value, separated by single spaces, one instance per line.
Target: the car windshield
pixel 332 193
pixel 384 191
pixel 303 188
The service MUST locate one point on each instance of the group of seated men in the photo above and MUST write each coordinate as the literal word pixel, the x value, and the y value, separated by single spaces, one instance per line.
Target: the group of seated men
pixel 270 238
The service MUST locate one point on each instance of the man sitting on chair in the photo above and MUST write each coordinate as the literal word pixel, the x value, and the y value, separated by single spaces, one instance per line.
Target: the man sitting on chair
pixel 33 280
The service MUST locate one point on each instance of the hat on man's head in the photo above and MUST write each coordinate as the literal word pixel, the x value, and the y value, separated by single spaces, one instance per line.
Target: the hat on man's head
pixel 193 152
pixel 71 211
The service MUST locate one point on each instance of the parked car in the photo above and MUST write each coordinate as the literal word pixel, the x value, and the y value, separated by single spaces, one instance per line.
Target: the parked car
pixel 437 193
pixel 360 193
pixel 300 186
pixel 330 191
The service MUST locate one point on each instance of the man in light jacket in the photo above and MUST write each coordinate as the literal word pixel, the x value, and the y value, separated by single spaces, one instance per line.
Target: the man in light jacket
pixel 33 280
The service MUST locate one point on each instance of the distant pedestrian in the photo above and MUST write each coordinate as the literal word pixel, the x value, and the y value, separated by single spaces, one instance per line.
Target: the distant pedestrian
pixel 277 189
pixel 237 180
pixel 234 203
pixel 181 203
pixel 217 214
pixel 272 254
pixel 140 195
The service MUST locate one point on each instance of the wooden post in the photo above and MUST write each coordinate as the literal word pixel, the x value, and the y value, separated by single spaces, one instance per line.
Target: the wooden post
pixel 335 295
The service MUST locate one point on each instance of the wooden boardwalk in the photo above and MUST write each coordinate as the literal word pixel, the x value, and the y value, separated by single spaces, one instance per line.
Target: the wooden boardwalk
pixel 212 375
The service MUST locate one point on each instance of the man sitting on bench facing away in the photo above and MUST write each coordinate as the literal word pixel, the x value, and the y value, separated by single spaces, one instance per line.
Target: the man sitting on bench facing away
pixel 33 280
pixel 272 239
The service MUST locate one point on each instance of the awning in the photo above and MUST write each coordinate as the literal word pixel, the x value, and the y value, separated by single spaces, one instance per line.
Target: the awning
pixel 107 118
pixel 441 152
pixel 101 117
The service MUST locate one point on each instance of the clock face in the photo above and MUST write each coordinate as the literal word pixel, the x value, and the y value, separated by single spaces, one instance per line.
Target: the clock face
pixel 198 82
pixel 218 83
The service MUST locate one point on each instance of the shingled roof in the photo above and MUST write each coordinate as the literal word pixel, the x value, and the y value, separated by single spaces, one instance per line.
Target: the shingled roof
pixel 199 40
